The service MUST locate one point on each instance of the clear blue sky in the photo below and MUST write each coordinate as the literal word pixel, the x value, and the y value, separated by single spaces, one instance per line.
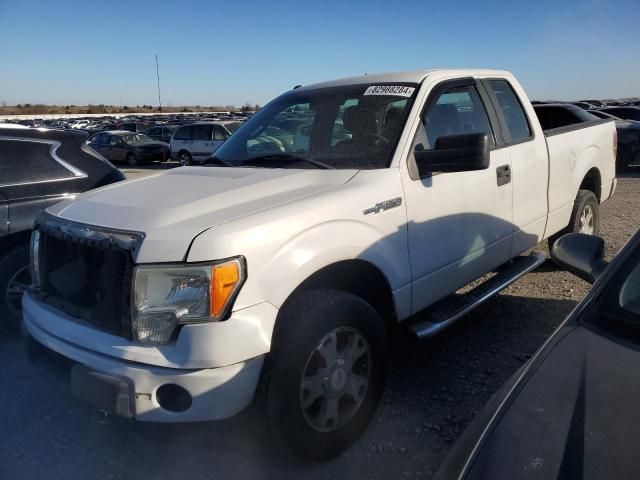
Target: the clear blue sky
pixel 232 52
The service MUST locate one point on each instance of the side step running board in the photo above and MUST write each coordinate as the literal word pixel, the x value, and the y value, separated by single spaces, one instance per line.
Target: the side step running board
pixel 445 312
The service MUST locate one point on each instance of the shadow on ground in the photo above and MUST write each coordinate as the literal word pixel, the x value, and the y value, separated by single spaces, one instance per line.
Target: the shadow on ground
pixel 435 387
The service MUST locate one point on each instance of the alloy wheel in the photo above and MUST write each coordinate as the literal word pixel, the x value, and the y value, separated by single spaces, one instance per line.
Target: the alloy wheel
pixel 335 379
pixel 587 221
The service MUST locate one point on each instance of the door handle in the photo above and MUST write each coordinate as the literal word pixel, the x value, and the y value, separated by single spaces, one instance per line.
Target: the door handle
pixel 503 174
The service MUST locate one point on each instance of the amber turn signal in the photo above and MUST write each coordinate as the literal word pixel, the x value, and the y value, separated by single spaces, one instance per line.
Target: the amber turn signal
pixel 225 278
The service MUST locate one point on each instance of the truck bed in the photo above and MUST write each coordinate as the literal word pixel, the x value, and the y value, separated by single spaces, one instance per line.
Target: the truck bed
pixel 576 142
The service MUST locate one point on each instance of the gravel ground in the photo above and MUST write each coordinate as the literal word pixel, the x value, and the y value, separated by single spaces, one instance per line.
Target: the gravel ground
pixel 435 389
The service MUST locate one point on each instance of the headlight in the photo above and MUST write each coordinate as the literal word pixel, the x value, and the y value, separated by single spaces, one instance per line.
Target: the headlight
pixel 165 296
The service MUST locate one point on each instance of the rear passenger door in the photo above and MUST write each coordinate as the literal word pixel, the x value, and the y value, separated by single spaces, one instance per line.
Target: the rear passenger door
pixel 181 141
pixel 460 223
pixel 529 164
pixel 201 144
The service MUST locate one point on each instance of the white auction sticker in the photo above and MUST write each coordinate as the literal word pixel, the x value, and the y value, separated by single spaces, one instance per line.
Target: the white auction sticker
pixel 395 90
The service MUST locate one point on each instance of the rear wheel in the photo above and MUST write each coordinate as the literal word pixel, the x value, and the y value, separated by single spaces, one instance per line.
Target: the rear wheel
pixel 132 160
pixel 15 277
pixel 185 159
pixel 585 217
pixel 326 372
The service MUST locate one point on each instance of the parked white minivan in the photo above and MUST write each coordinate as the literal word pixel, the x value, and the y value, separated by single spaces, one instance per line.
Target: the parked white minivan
pixel 195 142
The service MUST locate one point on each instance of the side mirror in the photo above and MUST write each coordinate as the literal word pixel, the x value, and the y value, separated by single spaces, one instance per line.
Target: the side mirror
pixel 454 153
pixel 580 254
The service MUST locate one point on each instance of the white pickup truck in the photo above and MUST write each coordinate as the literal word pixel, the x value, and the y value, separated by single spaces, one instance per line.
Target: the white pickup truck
pixel 339 210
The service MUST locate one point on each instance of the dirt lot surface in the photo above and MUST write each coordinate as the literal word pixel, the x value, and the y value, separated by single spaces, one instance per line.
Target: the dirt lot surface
pixel 435 389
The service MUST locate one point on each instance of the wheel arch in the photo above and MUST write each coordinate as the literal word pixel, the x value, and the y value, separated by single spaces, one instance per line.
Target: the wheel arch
pixel 358 277
pixel 592 181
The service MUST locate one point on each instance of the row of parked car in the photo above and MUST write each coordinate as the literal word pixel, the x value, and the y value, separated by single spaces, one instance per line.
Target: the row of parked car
pixel 138 139
pixel 188 144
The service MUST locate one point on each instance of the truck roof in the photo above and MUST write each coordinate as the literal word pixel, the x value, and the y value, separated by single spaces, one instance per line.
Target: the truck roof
pixel 416 76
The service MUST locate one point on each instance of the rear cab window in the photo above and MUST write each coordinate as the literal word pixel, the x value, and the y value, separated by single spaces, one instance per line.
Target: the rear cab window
pixel 515 120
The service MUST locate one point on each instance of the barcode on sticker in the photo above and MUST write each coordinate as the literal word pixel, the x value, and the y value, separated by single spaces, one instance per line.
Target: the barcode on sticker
pixel 396 90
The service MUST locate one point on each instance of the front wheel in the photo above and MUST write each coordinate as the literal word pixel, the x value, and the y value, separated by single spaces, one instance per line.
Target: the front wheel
pixel 185 159
pixel 326 372
pixel 585 216
pixel 132 160
pixel 15 277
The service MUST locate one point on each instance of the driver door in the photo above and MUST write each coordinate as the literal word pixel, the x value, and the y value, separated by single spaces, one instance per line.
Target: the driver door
pixel 461 222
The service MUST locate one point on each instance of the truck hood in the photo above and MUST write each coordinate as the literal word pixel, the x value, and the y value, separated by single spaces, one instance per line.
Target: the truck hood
pixel 173 207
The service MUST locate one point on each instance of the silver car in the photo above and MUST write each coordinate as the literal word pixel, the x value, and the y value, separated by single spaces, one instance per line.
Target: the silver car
pixel 195 142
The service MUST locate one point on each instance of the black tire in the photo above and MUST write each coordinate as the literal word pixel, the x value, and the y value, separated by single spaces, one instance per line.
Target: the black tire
pixel 302 324
pixel 585 199
pixel 132 160
pixel 14 275
pixel 185 159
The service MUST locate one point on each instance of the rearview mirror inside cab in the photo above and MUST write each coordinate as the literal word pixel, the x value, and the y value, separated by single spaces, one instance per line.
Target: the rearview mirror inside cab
pixel 580 254
pixel 454 153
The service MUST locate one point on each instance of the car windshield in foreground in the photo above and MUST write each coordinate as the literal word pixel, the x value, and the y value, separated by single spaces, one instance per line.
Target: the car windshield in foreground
pixel 345 127
pixel 136 138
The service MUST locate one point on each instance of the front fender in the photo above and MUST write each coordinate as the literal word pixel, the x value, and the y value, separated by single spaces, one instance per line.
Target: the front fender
pixel 331 242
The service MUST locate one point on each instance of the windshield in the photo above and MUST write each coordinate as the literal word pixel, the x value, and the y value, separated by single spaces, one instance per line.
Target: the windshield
pixel 232 127
pixel 136 138
pixel 348 127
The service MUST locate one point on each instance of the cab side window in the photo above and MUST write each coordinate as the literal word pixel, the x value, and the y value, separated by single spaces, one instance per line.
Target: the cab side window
pixel 219 133
pixel 456 111
pixel 183 133
pixel 514 115
pixel 201 132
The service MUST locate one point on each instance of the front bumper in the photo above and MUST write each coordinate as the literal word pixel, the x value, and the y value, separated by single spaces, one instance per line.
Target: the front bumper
pixel 154 155
pixel 130 388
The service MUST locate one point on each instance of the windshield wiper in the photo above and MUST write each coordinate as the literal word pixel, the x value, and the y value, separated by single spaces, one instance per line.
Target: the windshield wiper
pixel 289 157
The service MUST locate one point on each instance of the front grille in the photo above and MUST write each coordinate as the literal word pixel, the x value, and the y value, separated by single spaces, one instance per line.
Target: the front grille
pixel 87 278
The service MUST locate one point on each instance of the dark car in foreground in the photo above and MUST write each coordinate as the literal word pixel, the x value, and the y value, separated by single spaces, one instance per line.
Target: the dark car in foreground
pixel 572 411
pixel 133 148
pixel 38 167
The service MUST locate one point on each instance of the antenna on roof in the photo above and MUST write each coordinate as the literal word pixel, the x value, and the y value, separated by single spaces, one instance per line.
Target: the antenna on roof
pixel 158 76
pixel 297 86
